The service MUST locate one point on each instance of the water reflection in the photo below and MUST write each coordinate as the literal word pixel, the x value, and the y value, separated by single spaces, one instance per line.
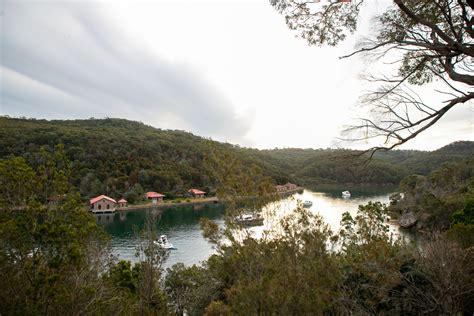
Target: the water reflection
pixel 181 224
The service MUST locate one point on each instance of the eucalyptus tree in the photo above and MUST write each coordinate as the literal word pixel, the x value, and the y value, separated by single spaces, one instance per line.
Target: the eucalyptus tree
pixel 428 40
pixel 52 252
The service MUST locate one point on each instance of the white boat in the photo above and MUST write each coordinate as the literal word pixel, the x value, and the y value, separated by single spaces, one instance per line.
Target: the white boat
pixel 250 219
pixel 164 243
pixel 346 194
pixel 307 204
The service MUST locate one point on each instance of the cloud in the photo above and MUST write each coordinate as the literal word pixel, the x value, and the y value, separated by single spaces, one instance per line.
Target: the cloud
pixel 69 60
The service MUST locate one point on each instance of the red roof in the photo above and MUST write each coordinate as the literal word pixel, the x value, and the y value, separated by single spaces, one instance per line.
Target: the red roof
pixel 196 191
pixel 100 197
pixel 152 195
pixel 122 201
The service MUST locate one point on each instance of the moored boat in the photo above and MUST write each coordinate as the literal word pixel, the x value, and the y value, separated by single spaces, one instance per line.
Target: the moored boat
pixel 307 203
pixel 164 243
pixel 346 194
pixel 250 219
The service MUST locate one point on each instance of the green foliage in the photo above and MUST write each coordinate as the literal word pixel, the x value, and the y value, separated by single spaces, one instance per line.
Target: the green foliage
pixel 317 167
pixel 190 288
pixel 368 226
pixel 466 215
pixel 463 234
pixel 18 183
pixel 328 28
pixel 150 296
pixel 122 275
pixel 217 308
pixel 432 40
pixel 122 158
pixel 300 267
pixel 278 274
pixel 437 196
pixel 43 251
pixel 462 225
pixel 117 157
pixel 55 259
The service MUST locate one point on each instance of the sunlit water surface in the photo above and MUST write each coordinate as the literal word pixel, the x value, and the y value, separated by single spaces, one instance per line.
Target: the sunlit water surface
pixel 181 224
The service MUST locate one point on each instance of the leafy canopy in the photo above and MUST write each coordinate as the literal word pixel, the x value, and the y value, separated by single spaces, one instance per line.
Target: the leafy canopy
pixel 427 39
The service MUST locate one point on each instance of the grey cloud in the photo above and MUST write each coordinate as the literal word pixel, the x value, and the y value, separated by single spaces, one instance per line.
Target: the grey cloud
pixel 65 60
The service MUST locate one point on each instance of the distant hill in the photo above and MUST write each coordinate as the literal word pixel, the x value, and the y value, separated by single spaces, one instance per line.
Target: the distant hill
pixel 319 167
pixel 433 198
pixel 121 157
pixel 423 162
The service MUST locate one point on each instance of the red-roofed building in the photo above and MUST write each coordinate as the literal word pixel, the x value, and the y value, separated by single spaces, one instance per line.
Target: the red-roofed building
pixel 102 204
pixel 196 193
pixel 288 187
pixel 280 188
pixel 154 197
pixel 122 203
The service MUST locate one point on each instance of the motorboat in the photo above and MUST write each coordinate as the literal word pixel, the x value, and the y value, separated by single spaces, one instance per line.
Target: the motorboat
pixel 249 219
pixel 164 243
pixel 346 194
pixel 307 203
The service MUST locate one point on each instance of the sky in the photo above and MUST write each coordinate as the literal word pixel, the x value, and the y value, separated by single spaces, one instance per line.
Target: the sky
pixel 228 70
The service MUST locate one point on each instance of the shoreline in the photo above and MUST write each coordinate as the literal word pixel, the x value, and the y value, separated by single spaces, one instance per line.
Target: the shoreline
pixel 210 200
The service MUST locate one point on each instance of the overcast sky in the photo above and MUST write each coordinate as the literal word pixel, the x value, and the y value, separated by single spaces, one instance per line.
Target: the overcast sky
pixel 229 70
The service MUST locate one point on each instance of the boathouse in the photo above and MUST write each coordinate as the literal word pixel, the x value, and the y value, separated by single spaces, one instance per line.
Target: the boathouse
pixel 196 193
pixel 122 203
pixel 154 197
pixel 280 188
pixel 102 204
pixel 288 187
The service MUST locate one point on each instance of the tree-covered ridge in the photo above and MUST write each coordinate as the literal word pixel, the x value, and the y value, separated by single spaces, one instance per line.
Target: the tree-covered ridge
pixel 54 258
pixel 434 198
pixel 343 166
pixel 123 158
pixel 120 157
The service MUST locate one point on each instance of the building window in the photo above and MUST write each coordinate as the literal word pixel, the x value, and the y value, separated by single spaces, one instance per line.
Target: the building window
pixel 100 206
pixel 108 206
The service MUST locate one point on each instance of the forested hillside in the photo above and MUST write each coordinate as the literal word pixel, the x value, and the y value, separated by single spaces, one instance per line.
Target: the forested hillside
pixel 434 198
pixel 315 167
pixel 125 158
pixel 119 157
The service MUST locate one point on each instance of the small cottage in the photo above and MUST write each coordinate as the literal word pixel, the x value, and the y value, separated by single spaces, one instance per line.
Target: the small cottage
pixel 154 197
pixel 196 193
pixel 102 204
pixel 290 186
pixel 122 203
pixel 280 188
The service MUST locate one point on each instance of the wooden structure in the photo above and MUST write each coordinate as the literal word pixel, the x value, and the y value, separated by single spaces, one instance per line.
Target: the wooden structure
pixel 154 197
pixel 196 193
pixel 122 203
pixel 102 204
pixel 288 187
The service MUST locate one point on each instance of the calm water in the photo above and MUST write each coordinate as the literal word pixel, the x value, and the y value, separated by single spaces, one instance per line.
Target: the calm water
pixel 181 224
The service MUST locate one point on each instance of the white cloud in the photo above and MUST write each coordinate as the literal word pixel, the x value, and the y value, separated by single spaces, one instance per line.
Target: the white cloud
pixel 230 70
pixel 66 60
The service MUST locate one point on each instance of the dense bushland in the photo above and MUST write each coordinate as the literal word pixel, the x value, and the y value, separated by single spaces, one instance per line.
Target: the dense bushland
pixel 54 258
pixel 122 158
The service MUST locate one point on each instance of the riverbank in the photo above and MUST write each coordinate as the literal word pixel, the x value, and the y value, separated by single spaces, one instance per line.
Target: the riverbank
pixel 171 203
pixel 182 224
pixel 193 201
